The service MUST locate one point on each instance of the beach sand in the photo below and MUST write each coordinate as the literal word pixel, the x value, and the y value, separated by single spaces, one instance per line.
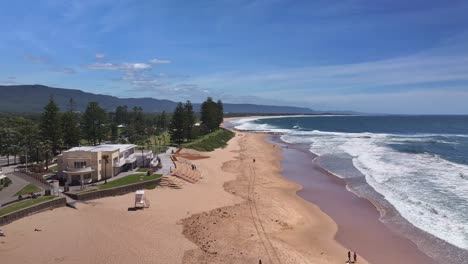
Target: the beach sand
pixel 240 212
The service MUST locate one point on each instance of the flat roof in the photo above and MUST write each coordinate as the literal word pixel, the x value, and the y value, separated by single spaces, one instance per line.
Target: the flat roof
pixel 104 147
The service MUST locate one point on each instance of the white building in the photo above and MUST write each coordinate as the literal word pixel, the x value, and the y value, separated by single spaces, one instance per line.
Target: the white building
pixel 88 163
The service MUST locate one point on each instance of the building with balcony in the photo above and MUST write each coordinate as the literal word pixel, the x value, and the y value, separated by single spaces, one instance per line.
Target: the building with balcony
pixel 88 163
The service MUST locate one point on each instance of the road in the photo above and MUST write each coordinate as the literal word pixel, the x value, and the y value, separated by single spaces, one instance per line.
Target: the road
pixel 4 161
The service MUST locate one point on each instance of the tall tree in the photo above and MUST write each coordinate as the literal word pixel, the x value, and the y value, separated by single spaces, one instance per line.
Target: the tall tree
pixel 220 112
pixel 189 120
pixel 163 121
pixel 114 132
pixel 176 128
pixel 121 115
pixel 50 125
pixel 209 114
pixel 71 126
pixel 94 123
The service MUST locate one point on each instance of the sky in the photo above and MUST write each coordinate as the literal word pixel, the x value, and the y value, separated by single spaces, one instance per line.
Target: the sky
pixel 402 57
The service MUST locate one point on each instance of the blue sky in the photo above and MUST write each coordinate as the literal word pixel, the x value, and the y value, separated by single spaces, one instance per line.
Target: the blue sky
pixel 372 56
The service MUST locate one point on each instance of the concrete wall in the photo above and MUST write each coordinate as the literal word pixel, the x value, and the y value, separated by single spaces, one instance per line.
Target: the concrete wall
pixel 113 191
pixel 6 219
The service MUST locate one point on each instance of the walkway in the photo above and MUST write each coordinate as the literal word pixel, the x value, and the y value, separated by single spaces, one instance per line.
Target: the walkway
pixel 166 161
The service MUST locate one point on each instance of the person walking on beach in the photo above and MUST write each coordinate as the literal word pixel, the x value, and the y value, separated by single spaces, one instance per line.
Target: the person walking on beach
pixel 355 257
pixel 349 256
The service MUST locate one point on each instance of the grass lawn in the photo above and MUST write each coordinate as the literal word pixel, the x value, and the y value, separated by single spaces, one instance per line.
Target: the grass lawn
pixel 212 141
pixel 30 188
pixel 133 178
pixel 24 204
pixel 53 168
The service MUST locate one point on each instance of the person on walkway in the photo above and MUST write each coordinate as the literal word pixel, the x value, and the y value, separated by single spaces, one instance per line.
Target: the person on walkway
pixel 355 257
pixel 349 255
pixel 253 160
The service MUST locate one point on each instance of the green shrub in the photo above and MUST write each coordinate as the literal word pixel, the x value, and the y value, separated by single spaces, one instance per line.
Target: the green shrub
pixel 212 141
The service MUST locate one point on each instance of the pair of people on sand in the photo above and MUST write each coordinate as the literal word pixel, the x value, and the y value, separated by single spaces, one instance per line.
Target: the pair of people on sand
pixel 354 257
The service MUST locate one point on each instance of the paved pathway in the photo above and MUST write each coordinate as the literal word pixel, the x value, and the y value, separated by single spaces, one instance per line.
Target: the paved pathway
pixel 7 194
pixel 166 161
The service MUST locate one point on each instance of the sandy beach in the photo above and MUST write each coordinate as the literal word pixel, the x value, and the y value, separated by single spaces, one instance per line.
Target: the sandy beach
pixel 240 212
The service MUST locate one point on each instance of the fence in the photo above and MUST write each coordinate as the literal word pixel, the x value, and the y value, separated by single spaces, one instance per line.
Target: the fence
pixel 113 191
pixel 8 218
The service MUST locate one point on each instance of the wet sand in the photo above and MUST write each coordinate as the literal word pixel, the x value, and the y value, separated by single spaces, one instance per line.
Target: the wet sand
pixel 272 223
pixel 358 222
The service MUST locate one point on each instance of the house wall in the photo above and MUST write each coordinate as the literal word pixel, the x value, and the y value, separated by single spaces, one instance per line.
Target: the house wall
pixel 109 171
pixel 68 159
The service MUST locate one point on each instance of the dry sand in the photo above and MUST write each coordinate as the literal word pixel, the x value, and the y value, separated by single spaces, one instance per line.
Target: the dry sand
pixel 239 212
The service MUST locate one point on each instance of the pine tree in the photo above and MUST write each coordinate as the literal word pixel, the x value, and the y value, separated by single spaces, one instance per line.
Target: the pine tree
pixel 71 126
pixel 114 132
pixel 163 121
pixel 220 113
pixel 50 126
pixel 189 120
pixel 94 123
pixel 121 115
pixel 176 128
pixel 210 114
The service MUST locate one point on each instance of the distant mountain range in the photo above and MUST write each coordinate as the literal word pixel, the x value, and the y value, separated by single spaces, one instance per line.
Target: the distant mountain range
pixel 33 98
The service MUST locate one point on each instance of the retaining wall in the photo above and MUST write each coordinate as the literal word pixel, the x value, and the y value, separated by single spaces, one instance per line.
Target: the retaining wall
pixel 8 218
pixel 113 191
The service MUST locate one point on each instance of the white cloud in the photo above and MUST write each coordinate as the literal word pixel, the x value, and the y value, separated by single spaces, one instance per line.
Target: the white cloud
pixel 67 70
pixel 100 55
pixel 158 61
pixel 118 66
pixel 416 70
pixel 36 59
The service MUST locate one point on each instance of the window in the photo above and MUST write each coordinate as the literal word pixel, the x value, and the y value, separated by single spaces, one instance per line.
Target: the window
pixel 80 164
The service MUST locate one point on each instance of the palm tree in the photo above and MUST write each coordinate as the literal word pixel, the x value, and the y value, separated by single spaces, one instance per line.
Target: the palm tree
pixel 106 161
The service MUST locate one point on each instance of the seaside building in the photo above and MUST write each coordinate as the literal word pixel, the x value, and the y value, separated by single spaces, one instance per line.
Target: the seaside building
pixel 145 158
pixel 87 164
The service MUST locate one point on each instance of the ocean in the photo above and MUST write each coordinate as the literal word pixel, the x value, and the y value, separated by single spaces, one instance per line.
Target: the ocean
pixel 418 164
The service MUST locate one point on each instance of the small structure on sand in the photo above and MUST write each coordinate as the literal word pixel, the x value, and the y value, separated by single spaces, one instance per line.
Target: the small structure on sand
pixel 140 199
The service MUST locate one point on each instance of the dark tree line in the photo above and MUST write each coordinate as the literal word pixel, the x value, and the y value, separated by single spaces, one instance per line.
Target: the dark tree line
pixel 41 138
pixel 182 127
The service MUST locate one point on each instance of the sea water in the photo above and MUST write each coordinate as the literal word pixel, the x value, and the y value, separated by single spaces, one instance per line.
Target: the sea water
pixel 419 164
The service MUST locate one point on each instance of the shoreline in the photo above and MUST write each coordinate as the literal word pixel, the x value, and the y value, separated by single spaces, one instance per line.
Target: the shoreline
pixel 357 218
pixel 272 223
pixel 239 212
pixel 431 248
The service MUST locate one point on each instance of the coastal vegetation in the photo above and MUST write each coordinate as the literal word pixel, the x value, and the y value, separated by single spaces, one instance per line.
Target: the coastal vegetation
pixel 183 128
pixel 37 139
pixel 212 141
pixel 6 183
pixel 30 188
pixel 130 179
pixel 23 204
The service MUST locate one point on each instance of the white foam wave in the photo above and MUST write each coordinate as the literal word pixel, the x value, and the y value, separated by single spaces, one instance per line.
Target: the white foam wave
pixel 430 192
